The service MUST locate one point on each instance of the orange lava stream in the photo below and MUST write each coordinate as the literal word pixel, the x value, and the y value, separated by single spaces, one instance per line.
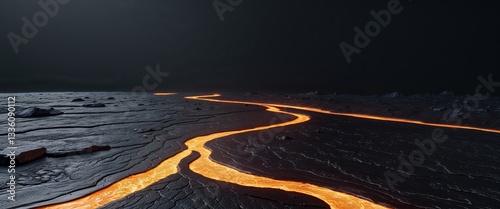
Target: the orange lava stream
pixel 210 169
pixel 371 117
pixel 126 186
pixel 213 170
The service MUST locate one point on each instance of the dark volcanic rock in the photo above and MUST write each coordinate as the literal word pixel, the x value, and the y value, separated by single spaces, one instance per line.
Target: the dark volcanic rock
pixel 31 154
pixel 23 154
pixel 78 151
pixel 144 130
pixel 94 105
pixel 96 148
pixel 37 112
pixel 350 155
pixel 77 100
pixel 437 109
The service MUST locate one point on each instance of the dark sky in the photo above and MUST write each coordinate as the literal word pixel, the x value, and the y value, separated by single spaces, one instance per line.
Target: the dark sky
pixel 262 45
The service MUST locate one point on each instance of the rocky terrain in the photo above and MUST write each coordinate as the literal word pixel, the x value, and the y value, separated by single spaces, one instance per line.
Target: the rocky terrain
pixel 90 140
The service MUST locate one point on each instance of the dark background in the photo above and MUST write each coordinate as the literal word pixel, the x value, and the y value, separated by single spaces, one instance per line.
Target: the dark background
pixel 279 45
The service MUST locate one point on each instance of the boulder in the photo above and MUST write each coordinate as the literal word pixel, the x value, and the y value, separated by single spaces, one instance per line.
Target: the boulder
pixel 94 105
pixel 22 154
pixel 77 100
pixel 31 112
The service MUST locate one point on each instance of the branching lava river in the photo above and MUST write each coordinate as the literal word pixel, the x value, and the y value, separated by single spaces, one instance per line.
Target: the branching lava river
pixel 213 170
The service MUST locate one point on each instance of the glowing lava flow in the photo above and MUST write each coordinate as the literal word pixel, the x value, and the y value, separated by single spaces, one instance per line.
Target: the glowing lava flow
pixel 371 117
pixel 206 167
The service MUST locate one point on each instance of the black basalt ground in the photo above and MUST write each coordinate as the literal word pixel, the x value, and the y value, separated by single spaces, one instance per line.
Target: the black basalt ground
pixel 351 155
pixel 139 137
pixel 345 154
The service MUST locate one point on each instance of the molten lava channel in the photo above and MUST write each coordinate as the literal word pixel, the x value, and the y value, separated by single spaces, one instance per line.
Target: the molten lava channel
pixel 213 170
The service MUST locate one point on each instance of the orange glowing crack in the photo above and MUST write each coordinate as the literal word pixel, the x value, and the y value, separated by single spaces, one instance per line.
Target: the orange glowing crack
pixel 206 167
pixel 371 117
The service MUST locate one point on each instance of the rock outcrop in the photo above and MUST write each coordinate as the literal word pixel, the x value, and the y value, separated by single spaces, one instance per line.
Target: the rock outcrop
pixel 21 155
pixel 31 112
pixel 94 105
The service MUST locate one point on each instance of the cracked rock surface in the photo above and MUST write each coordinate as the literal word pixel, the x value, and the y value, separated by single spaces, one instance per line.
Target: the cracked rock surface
pixel 352 155
pixel 190 190
pixel 90 148
pixel 139 137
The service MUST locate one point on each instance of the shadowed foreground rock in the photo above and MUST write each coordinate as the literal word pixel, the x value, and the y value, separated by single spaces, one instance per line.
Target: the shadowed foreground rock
pixel 22 154
pixel 32 112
